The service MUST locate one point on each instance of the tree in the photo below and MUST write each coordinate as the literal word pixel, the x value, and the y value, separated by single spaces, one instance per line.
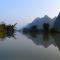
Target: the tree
pixel 34 29
pixel 46 27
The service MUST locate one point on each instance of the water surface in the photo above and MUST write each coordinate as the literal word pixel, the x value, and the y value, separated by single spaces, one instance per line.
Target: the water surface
pixel 30 47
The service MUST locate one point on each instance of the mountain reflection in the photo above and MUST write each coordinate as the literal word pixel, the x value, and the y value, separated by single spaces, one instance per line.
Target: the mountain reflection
pixel 45 39
pixel 57 39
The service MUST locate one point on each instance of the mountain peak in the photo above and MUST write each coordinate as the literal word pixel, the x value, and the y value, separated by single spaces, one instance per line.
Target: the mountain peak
pixel 47 17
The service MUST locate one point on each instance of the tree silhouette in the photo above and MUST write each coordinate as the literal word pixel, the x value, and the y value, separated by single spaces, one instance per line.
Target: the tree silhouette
pixel 34 29
pixel 46 27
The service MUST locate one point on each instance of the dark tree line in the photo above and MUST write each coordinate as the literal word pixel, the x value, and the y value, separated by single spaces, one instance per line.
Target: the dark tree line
pixel 46 29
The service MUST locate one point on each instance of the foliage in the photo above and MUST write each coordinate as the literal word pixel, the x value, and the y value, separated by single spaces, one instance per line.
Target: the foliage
pixel 33 29
pixel 46 27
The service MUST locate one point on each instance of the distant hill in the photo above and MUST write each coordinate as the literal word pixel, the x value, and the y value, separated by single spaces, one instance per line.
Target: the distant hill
pixel 40 21
pixel 57 23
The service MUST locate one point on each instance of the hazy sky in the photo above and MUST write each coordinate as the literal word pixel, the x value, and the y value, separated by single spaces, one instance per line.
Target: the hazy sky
pixel 23 11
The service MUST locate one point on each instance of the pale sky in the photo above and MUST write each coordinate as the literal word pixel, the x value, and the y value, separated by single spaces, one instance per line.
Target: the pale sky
pixel 24 11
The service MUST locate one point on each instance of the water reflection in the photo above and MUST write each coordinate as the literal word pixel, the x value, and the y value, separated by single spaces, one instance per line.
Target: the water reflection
pixel 4 35
pixel 23 49
pixel 45 39
pixel 57 39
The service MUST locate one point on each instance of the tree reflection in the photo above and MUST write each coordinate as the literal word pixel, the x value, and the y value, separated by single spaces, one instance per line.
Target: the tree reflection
pixel 33 34
pixel 57 39
pixel 3 35
pixel 46 36
pixel 45 39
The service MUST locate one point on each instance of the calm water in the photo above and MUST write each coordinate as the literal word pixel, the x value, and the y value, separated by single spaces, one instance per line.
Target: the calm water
pixel 30 47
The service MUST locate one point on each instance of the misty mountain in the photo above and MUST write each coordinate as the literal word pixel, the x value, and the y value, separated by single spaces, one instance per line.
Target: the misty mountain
pixel 57 23
pixel 40 21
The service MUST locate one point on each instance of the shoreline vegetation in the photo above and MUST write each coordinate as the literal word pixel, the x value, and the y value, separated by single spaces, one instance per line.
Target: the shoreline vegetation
pixel 7 30
pixel 45 29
